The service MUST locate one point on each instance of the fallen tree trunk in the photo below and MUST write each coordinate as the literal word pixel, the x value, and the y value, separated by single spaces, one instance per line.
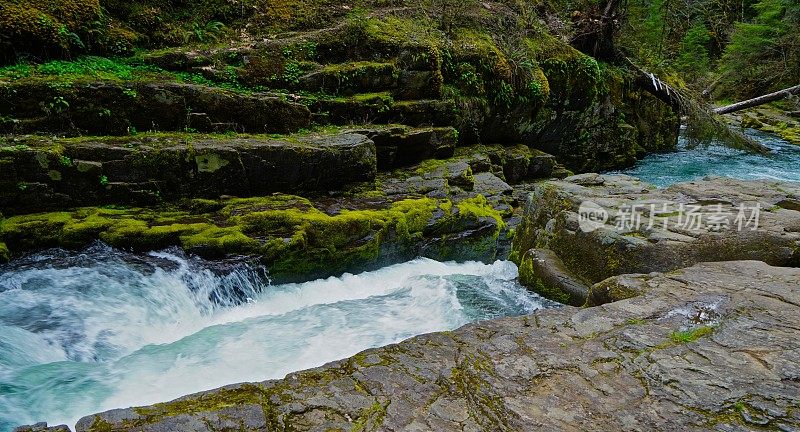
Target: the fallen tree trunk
pixel 661 90
pixel 703 123
pixel 761 100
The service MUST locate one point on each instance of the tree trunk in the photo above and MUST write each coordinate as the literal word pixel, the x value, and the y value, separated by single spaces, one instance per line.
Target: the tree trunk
pixel 659 89
pixel 761 100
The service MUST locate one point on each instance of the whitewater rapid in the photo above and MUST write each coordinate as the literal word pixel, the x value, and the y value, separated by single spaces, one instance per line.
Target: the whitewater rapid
pixel 102 329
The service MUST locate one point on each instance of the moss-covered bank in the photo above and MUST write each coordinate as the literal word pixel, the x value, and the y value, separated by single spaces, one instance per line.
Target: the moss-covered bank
pixel 294 238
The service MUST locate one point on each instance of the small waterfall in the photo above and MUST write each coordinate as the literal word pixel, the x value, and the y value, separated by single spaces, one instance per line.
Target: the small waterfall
pixel 101 329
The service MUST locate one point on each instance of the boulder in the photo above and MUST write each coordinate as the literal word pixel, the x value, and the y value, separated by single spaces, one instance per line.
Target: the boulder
pixel 543 270
pixel 711 347
pixel 606 225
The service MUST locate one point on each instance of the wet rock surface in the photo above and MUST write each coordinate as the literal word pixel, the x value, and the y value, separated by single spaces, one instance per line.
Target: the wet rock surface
pixel 711 347
pixel 606 225
pixel 459 208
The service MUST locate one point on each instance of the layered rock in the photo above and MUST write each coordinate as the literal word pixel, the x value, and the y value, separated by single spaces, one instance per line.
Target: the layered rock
pixel 41 174
pixel 39 105
pixel 458 208
pixel 598 226
pixel 711 347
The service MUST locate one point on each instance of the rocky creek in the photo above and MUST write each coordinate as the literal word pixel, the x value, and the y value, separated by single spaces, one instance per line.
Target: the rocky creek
pixel 106 328
pixel 101 328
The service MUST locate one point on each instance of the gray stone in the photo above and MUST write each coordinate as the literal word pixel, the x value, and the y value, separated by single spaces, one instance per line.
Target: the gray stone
pixel 635 233
pixel 543 269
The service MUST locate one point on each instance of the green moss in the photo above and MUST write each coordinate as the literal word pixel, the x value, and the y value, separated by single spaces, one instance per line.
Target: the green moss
pixel 34 231
pixel 529 278
pixel 80 233
pixel 480 208
pixel 370 418
pixel 5 254
pixel 398 31
pixel 213 401
pixel 292 236
pixel 691 335
pixel 100 425
pixel 219 241
pixel 549 292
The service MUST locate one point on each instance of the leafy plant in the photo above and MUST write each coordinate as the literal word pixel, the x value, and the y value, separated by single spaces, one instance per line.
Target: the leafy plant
pixel 210 32
pixel 58 105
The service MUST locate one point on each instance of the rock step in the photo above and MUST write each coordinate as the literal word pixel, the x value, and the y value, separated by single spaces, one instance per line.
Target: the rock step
pixel 117 109
pixel 39 174
pixel 107 108
pixel 327 60
pixel 400 145
pixel 297 238
pixel 381 108
pixel 50 173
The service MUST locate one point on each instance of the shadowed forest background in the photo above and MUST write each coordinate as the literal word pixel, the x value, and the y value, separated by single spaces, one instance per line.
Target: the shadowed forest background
pixel 731 49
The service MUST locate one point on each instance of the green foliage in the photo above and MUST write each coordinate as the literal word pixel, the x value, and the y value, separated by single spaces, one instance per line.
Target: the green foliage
pixel 210 32
pixel 98 68
pixel 763 54
pixel 693 59
pixel 752 46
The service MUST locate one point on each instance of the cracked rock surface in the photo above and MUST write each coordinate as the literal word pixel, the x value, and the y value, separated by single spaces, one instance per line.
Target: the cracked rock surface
pixel 638 228
pixel 714 346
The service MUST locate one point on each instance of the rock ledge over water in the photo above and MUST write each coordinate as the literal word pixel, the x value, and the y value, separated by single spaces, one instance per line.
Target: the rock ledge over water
pixel 713 346
pixel 638 228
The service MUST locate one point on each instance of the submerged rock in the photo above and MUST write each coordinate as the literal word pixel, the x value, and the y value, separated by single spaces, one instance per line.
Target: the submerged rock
pixel 713 346
pixel 606 225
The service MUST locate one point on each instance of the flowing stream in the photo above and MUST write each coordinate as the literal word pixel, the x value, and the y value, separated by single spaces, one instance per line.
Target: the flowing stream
pixel 102 329
pixel 82 332
pixel 714 159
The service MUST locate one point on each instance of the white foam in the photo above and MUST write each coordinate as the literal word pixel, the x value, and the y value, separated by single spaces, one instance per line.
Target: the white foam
pixel 127 337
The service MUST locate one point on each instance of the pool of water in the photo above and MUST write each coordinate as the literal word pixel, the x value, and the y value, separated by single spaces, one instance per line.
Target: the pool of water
pixel 102 329
pixel 693 163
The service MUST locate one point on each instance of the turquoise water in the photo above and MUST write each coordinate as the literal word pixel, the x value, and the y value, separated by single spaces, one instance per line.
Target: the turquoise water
pixel 103 329
pixel 690 164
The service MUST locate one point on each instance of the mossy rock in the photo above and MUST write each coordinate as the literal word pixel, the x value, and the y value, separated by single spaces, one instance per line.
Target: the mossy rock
pixel 288 233
pixel 45 27
pixel 5 254
pixel 48 173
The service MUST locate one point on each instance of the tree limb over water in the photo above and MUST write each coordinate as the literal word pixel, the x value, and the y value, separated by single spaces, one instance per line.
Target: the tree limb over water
pixel 596 30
